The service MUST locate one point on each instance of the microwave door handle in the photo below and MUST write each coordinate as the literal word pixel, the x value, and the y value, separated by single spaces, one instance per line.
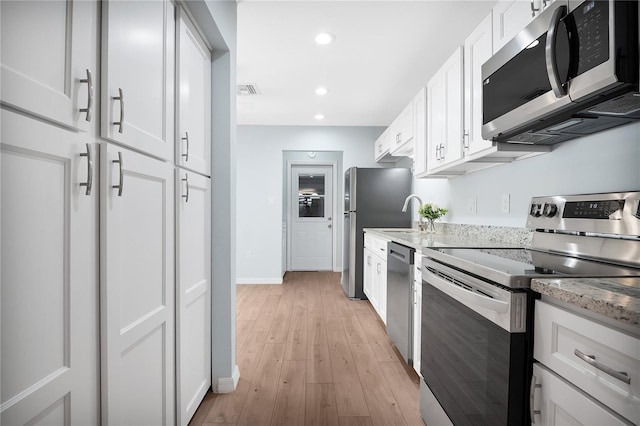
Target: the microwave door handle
pixel 550 52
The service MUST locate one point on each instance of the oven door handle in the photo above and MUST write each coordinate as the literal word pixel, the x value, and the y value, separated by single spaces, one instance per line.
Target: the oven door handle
pixel 461 294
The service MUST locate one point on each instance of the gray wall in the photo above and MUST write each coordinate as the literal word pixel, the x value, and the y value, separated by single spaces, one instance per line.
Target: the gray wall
pixel 260 172
pixel 603 162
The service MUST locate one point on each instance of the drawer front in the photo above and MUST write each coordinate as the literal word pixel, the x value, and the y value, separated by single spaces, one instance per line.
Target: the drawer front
pixel 556 402
pixel 369 241
pixel 562 341
pixel 377 245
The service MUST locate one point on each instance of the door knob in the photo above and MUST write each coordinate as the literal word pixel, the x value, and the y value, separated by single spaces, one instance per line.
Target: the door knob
pixel 329 226
pixel 329 219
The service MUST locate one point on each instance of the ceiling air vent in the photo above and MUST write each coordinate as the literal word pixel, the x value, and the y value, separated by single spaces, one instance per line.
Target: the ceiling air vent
pixel 247 89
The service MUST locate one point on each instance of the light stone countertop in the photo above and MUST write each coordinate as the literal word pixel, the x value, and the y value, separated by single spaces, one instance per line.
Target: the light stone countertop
pixel 614 298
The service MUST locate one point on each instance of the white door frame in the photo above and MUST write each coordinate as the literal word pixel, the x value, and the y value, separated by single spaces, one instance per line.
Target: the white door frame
pixel 334 209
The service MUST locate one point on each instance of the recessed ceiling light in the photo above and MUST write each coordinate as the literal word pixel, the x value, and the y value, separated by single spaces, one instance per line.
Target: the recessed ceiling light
pixel 319 117
pixel 321 91
pixel 324 38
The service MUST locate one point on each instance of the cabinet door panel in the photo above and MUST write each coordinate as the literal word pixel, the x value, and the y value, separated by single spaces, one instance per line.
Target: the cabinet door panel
pixel 137 293
pixel 49 289
pixel 453 76
pixel 477 50
pixel 193 321
pixel 435 119
pixel 46 51
pixel 137 58
pixel 509 17
pixel 194 76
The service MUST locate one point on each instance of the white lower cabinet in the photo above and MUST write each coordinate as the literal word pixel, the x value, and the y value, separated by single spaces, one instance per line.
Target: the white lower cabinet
pixel 193 292
pixel 556 402
pixel 592 359
pixel 137 288
pixel 49 287
pixel 375 274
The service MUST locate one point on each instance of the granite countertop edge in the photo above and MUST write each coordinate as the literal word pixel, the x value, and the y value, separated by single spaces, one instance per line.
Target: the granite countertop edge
pixel 609 297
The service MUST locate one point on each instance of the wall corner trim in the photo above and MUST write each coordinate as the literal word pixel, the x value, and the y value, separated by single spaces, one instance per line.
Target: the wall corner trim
pixel 228 384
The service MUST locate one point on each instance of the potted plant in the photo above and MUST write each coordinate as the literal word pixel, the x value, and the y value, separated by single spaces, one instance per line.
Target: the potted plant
pixel 429 213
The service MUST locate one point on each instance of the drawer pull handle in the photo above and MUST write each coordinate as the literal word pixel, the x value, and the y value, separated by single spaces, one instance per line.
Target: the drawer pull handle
pixel 532 411
pixel 591 359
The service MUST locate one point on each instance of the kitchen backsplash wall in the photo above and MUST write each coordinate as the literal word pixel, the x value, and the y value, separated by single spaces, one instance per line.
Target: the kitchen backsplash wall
pixel 603 162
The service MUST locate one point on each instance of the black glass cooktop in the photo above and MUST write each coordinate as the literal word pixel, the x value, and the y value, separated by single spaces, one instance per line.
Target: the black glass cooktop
pixel 516 267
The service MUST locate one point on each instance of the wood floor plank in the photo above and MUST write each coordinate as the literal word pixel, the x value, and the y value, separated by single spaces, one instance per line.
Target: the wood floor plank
pixel 376 336
pixel 355 421
pixel 350 399
pixel 282 320
pixel 261 397
pixel 320 405
pixel 382 404
pixel 319 364
pixel 268 313
pixel 289 409
pixel 404 387
pixel 296 348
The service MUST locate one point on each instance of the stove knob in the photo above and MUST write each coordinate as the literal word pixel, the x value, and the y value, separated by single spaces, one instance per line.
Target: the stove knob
pixel 536 210
pixel 550 210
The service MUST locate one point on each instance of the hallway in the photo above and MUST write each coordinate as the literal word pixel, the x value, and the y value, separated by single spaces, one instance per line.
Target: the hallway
pixel 309 356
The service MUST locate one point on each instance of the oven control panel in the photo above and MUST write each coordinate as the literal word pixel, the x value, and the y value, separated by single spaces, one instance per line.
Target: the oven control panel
pixel 609 213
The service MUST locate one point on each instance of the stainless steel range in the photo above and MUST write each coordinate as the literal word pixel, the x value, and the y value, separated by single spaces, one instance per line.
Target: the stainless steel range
pixel 477 308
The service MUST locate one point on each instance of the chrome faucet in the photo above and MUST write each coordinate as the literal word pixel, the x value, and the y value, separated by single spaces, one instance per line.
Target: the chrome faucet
pixel 406 202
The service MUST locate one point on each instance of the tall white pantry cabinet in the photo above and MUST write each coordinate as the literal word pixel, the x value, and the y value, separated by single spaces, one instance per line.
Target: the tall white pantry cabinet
pixel 105 246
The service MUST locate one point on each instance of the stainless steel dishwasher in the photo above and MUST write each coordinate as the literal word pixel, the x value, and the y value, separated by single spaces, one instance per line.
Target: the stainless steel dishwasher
pixel 399 298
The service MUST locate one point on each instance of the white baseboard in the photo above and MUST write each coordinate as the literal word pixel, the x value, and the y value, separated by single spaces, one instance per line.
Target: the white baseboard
pixel 259 280
pixel 228 384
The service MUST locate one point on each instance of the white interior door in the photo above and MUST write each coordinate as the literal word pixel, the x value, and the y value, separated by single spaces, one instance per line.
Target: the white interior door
pixel 193 304
pixel 49 290
pixel 311 218
pixel 137 288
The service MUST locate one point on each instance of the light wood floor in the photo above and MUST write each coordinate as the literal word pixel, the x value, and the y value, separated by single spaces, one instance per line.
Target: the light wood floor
pixel 310 356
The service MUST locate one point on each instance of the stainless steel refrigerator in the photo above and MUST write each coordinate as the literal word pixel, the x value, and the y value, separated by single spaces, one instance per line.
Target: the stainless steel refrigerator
pixel 373 198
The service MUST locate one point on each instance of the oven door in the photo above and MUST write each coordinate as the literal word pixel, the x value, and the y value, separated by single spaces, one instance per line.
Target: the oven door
pixel 476 369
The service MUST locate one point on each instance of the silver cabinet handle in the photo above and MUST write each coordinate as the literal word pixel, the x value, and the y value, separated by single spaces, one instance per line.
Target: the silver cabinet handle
pixel 465 140
pixel 88 109
pixel 120 98
pixel 186 139
pixel 186 181
pixel 532 399
pixel 121 184
pixel 533 9
pixel 89 182
pixel 591 360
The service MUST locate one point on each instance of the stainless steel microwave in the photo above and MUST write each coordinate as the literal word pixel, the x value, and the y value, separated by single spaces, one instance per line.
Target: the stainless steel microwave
pixel 571 72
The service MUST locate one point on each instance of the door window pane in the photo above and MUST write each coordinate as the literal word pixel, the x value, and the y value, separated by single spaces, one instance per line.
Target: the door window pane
pixel 311 195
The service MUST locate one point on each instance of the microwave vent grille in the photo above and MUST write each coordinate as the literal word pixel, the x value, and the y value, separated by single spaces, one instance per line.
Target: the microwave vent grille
pixel 622 105
pixel 530 138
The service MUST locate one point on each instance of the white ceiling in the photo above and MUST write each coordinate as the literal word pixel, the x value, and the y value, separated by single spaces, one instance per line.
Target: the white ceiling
pixel 384 52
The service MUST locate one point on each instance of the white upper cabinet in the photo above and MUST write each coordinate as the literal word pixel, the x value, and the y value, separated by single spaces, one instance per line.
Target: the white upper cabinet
pixel 511 16
pixel 402 132
pixel 138 75
pixel 420 133
pixel 193 143
pixel 477 50
pixel 444 113
pixel 48 58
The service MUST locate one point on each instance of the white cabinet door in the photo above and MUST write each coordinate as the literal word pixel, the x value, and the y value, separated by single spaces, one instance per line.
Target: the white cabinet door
pixel 49 290
pixel 48 50
pixel 417 312
pixel 367 277
pixel 402 132
pixel 193 304
pixel 556 402
pixel 444 113
pixel 138 74
pixel 137 288
pixel 381 276
pixel 420 133
pixel 509 17
pixel 477 50
pixel 194 92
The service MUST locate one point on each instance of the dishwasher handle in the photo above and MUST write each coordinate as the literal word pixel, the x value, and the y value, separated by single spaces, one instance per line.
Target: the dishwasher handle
pixel 402 253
